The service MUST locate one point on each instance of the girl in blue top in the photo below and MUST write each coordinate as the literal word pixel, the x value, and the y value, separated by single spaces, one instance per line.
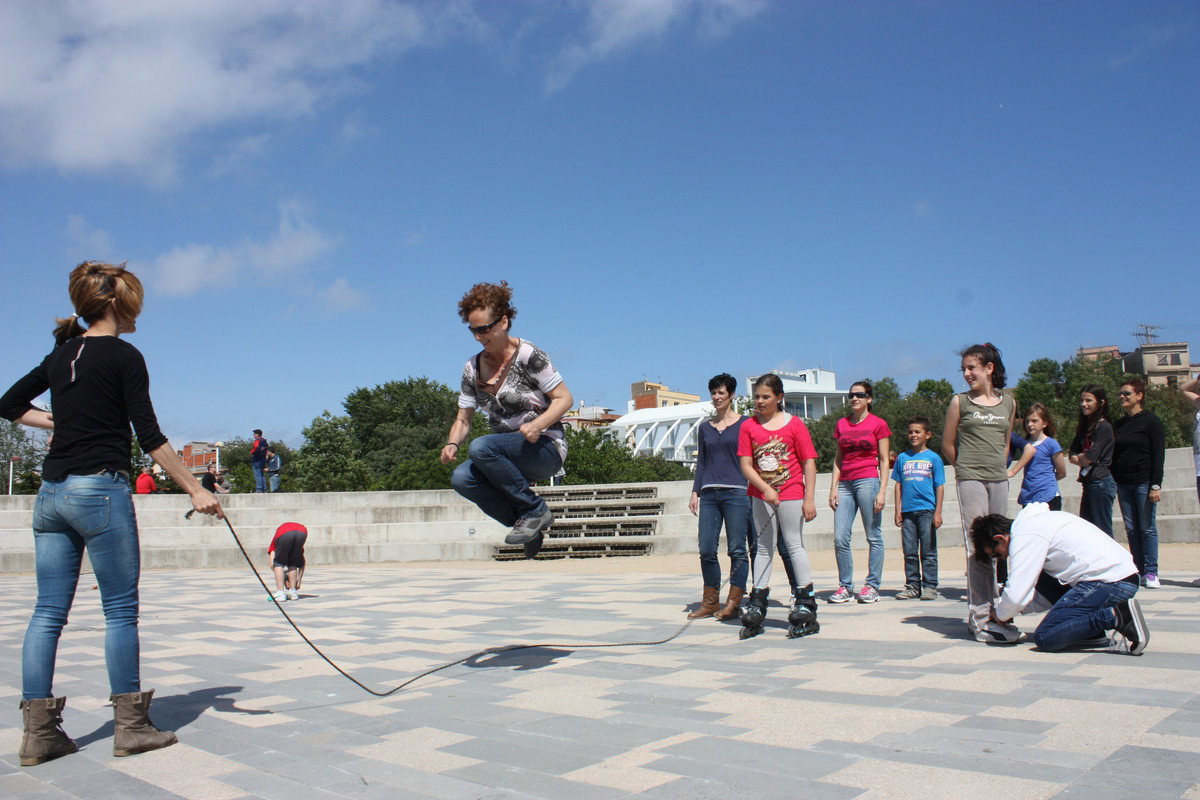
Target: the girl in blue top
pixel 1044 463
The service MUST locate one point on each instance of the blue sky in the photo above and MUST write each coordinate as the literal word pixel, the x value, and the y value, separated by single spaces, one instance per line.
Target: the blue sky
pixel 673 188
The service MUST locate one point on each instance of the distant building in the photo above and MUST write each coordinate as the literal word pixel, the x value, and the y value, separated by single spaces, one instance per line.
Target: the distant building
pixel 590 417
pixel 669 430
pixel 810 393
pixel 196 456
pixel 1161 363
pixel 1094 353
pixel 645 394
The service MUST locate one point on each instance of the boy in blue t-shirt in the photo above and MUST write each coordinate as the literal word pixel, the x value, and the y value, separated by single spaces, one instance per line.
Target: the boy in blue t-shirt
pixel 920 479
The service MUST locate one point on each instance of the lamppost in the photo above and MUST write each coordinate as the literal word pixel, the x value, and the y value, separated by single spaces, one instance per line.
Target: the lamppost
pixel 14 460
pixel 218 446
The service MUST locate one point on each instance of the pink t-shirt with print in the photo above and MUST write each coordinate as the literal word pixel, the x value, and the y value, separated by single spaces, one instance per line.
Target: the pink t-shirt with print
pixel 778 456
pixel 859 445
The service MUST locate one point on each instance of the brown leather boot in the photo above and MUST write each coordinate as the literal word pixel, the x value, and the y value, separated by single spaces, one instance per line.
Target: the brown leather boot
pixel 44 739
pixel 709 604
pixel 733 605
pixel 135 733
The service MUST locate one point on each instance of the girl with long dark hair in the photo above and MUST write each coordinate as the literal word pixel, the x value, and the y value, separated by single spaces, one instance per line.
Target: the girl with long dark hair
pixel 1092 451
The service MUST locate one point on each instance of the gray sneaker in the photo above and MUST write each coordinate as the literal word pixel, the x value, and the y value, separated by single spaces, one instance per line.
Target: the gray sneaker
pixel 929 593
pixel 527 528
pixel 909 593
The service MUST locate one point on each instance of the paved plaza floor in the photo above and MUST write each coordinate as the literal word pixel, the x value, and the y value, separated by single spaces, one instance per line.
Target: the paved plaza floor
pixel 888 701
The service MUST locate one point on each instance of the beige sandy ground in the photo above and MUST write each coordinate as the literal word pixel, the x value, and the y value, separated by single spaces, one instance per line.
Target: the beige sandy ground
pixel 1173 559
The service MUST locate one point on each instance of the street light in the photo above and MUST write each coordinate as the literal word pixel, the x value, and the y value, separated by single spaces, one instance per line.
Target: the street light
pixel 14 460
pixel 218 446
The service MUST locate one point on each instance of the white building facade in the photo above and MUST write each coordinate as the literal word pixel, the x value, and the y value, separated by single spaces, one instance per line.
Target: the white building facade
pixel 670 432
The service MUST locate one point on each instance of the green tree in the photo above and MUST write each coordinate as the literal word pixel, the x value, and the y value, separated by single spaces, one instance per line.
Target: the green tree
pixel 28 445
pixel 593 457
pixel 328 461
pixel 934 389
pixel 399 421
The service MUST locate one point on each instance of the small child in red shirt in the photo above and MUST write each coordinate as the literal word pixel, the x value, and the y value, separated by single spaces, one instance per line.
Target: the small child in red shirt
pixel 288 561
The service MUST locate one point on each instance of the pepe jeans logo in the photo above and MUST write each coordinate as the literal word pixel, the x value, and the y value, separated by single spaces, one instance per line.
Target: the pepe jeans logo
pixel 989 419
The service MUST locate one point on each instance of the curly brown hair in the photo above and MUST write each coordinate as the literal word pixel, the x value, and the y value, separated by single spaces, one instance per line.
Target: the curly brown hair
pixel 497 297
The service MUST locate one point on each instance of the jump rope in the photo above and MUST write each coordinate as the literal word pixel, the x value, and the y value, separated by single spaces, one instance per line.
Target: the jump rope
pixel 491 651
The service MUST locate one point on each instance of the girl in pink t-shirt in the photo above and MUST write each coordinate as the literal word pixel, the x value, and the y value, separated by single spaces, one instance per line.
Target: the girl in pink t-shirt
pixel 780 463
pixel 859 485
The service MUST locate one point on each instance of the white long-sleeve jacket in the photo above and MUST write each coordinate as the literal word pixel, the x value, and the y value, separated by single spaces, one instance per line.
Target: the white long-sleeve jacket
pixel 1070 549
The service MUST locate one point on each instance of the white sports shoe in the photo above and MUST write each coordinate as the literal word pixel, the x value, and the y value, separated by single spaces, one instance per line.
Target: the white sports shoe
pixel 995 633
pixel 293 594
pixel 280 596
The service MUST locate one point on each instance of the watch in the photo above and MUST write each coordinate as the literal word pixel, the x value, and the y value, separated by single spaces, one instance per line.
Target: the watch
pixel 1155 487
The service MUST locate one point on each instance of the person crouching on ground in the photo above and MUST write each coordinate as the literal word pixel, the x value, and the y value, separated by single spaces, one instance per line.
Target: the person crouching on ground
pixel 1060 562
pixel 288 561
pixel 524 397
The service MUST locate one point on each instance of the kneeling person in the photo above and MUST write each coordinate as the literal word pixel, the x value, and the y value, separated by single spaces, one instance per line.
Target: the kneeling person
pixel 1060 562
pixel 288 561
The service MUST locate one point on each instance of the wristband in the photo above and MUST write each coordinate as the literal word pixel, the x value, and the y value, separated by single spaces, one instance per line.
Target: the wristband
pixel 455 444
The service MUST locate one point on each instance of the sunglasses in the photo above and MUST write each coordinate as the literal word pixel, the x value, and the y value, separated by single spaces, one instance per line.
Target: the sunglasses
pixel 1126 394
pixel 480 330
pixel 859 395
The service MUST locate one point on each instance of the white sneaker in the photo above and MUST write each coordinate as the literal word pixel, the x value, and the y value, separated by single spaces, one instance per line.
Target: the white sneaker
pixel 995 633
pixel 293 594
pixel 280 596
pixel 1151 581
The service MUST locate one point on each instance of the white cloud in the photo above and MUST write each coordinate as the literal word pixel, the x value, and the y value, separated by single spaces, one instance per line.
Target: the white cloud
pixel 242 153
pixel 101 85
pixel 618 25
pixel 87 242
pixel 340 296
pixel 92 86
pixel 1148 39
pixel 295 249
pixel 921 208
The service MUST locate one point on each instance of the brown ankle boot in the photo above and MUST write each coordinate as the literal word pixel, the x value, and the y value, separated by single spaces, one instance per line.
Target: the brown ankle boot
pixel 135 733
pixel 733 605
pixel 709 604
pixel 44 738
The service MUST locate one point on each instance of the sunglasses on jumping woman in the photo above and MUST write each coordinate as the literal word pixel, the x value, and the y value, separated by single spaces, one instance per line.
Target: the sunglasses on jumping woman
pixel 480 330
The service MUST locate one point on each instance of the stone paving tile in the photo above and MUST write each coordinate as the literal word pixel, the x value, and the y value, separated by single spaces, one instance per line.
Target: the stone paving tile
pixel 888 701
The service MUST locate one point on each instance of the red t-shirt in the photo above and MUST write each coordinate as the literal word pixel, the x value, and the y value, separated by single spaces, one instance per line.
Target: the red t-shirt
pixel 145 484
pixel 778 456
pixel 859 445
pixel 286 527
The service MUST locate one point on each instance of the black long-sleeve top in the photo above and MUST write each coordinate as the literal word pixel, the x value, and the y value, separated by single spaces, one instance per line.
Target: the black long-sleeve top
pixel 1140 450
pixel 1097 448
pixel 98 386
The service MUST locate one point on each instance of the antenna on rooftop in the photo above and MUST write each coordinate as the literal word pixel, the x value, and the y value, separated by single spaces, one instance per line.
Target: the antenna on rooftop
pixel 1147 333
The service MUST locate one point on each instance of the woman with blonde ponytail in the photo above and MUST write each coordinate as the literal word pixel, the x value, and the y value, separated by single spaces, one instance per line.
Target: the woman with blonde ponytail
pixel 98 387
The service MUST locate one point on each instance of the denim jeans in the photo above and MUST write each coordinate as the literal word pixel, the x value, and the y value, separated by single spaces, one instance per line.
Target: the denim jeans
pixel 96 512
pixel 920 548
pixel 274 482
pixel 260 481
pixel 1138 513
pixel 1096 504
pixel 733 507
pixel 854 497
pixel 499 472
pixel 1084 612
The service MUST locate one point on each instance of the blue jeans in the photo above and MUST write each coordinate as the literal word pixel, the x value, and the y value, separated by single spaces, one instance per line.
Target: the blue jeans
pixel 854 497
pixel 260 481
pixel 96 512
pixel 1096 505
pixel 920 548
pixel 1084 612
pixel 733 507
pixel 499 472
pixel 274 482
pixel 1138 513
